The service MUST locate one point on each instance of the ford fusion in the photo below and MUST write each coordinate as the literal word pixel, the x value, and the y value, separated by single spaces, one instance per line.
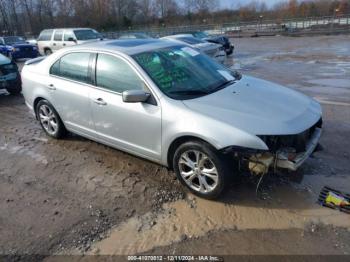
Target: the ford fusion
pixel 168 103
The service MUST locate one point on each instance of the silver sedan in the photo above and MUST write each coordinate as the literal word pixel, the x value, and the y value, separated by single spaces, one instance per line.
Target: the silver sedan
pixel 213 50
pixel 168 103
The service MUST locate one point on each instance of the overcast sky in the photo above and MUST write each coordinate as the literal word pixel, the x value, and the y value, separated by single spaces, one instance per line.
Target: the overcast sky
pixel 234 3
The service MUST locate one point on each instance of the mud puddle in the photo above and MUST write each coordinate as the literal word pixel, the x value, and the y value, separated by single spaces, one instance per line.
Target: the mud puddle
pixel 191 218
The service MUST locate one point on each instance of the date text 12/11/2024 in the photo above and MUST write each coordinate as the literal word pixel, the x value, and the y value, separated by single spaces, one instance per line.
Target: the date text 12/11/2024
pixel 174 258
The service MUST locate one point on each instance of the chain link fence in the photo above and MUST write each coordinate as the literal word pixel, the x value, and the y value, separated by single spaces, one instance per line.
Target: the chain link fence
pixel 301 26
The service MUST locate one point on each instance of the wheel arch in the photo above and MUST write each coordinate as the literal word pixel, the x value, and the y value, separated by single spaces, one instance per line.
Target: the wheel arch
pixel 35 103
pixel 179 141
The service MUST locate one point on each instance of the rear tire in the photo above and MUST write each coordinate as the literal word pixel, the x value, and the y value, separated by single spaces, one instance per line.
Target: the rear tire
pixel 202 169
pixel 48 51
pixel 49 120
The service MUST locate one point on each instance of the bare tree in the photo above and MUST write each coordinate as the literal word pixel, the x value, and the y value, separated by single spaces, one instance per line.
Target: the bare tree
pixel 31 16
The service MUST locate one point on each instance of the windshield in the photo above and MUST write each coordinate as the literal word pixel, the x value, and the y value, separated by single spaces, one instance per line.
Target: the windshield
pixel 183 73
pixel 87 34
pixel 10 40
pixel 200 35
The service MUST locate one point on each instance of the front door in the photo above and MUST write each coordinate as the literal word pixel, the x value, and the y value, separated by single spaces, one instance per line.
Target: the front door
pixel 133 127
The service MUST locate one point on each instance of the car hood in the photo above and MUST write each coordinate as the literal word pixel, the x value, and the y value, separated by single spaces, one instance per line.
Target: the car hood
pixel 259 107
pixel 206 46
pixel 217 39
pixel 22 45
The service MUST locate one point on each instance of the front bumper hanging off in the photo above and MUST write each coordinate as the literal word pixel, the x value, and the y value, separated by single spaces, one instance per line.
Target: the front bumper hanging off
pixel 285 158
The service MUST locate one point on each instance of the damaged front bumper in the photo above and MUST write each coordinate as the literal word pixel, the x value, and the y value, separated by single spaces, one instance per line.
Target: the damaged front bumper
pixel 284 161
pixel 286 157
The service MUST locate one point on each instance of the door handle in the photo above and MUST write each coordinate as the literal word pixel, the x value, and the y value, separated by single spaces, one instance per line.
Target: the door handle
pixel 64 44
pixel 54 44
pixel 51 87
pixel 100 101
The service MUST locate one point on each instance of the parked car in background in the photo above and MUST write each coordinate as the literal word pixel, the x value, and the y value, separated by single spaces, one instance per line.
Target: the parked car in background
pixel 51 40
pixel 215 51
pixel 168 103
pixel 135 36
pixel 16 47
pixel 223 40
pixel 10 78
pixel 32 41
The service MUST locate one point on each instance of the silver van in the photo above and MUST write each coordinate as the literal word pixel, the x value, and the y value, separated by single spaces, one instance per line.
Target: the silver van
pixel 51 40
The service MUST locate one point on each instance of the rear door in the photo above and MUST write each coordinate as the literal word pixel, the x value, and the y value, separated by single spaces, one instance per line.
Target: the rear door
pixel 70 85
pixel 57 42
pixel 133 127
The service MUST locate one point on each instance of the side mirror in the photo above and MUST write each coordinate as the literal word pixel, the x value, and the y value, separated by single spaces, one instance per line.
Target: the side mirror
pixel 71 39
pixel 135 96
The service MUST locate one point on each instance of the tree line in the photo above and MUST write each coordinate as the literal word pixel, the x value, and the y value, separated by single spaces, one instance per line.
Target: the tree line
pixel 29 17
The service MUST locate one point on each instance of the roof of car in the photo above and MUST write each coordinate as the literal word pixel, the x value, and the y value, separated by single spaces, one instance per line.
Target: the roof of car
pixel 127 46
pixel 179 36
pixel 69 28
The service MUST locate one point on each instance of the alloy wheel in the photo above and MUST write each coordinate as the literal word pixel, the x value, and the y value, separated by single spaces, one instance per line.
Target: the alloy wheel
pixel 198 171
pixel 48 119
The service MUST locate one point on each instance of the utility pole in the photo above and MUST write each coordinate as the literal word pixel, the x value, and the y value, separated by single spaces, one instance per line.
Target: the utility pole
pixel 334 15
pixel 163 7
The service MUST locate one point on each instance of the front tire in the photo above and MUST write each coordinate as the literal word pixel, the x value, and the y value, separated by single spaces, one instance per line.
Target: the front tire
pixel 201 168
pixel 49 120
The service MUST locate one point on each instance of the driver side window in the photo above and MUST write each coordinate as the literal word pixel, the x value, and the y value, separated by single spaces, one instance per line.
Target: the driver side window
pixel 116 75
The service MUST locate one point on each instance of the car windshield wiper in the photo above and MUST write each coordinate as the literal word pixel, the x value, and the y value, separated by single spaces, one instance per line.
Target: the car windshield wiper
pixel 223 85
pixel 189 92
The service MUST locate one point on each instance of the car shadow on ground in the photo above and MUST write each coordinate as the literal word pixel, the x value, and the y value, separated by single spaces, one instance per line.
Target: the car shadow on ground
pixel 276 191
pixel 10 100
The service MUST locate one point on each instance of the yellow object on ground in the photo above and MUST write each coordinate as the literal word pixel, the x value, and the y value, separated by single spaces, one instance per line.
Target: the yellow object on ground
pixel 336 200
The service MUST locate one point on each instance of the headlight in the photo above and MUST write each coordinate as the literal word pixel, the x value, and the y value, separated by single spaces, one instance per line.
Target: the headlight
pixel 16 49
pixel 35 48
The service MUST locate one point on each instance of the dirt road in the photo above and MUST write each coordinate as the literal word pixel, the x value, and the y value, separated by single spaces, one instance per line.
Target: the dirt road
pixel 77 197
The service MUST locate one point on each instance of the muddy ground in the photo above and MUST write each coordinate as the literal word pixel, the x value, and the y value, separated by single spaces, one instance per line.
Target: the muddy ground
pixel 75 196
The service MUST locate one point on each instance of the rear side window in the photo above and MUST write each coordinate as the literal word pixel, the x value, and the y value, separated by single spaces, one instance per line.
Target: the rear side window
pixel 58 35
pixel 74 66
pixel 116 75
pixel 45 35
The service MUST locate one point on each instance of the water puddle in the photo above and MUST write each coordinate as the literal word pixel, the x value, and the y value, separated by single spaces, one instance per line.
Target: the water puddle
pixel 342 83
pixel 195 217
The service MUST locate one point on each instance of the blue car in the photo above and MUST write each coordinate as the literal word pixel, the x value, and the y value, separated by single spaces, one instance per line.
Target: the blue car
pixel 15 47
